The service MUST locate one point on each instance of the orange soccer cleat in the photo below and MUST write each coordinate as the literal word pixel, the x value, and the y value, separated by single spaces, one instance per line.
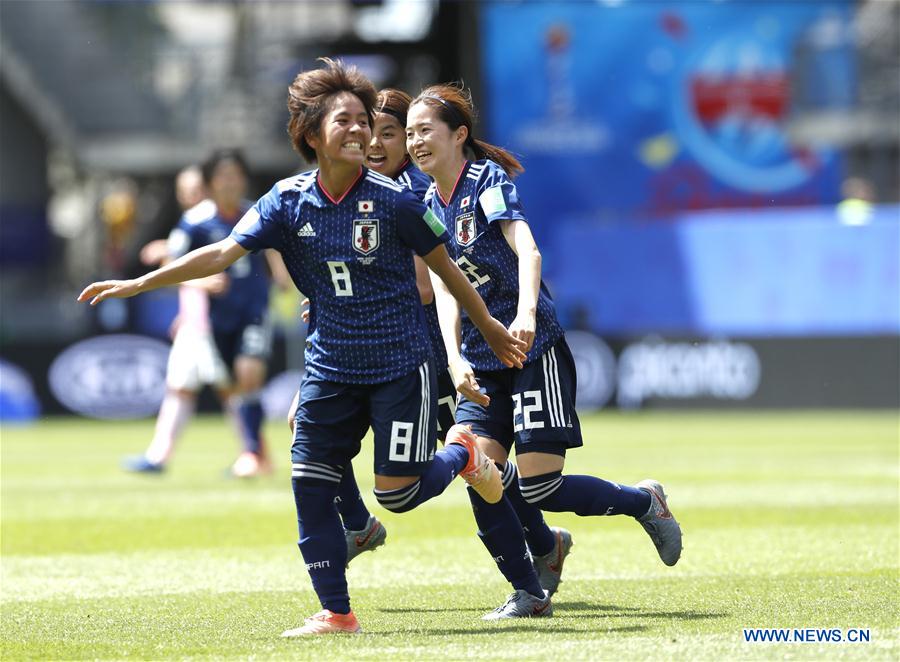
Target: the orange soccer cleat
pixel 481 472
pixel 326 622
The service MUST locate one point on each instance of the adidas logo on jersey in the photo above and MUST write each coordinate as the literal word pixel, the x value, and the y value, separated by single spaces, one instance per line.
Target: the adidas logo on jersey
pixel 306 231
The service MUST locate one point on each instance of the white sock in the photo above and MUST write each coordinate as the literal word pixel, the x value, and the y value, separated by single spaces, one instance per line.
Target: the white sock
pixel 175 411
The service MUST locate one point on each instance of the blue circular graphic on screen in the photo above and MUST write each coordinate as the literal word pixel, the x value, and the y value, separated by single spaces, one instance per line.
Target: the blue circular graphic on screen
pixel 731 104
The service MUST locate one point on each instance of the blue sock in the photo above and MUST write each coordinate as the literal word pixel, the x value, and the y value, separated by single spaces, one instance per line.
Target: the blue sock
pixel 447 462
pixel 501 533
pixel 354 513
pixel 250 414
pixel 583 495
pixel 538 535
pixel 322 541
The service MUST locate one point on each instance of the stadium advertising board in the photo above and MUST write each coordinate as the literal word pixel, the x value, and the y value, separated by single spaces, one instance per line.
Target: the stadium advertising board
pixel 113 376
pixel 18 401
pixel 770 373
pixel 126 379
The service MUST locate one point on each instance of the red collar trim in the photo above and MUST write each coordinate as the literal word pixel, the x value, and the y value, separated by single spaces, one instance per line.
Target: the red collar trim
pixel 328 195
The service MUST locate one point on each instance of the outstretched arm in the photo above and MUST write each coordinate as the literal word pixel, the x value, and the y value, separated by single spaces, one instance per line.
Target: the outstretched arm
pixel 202 262
pixel 507 348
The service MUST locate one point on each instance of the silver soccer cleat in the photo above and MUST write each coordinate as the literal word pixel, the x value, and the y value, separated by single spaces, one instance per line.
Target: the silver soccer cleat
pixel 549 567
pixel 660 524
pixel 521 604
pixel 366 540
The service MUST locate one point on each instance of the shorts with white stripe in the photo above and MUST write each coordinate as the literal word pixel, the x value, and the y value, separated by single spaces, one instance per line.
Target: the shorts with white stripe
pixel 533 407
pixel 333 418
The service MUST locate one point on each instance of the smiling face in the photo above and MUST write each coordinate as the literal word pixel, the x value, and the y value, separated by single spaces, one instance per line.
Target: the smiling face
pixel 344 132
pixel 431 144
pixel 387 150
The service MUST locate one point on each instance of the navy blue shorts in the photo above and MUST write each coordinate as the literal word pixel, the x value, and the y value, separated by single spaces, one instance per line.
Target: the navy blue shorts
pixel 533 407
pixel 332 419
pixel 251 339
pixel 446 399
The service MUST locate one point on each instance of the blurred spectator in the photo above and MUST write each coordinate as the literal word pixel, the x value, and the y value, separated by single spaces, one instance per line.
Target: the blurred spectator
pixel 117 210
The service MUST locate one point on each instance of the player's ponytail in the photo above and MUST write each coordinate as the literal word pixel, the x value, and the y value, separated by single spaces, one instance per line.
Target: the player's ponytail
pixel 454 107
pixel 503 158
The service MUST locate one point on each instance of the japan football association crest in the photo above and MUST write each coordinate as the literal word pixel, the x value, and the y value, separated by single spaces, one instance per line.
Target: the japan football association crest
pixel 365 235
pixel 465 228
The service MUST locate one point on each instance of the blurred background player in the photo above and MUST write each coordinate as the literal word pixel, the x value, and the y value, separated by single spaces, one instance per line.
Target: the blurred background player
pixel 237 312
pixel 194 360
pixel 534 407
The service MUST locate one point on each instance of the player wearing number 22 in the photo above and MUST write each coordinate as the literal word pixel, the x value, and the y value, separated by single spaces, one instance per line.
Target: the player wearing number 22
pixel 533 407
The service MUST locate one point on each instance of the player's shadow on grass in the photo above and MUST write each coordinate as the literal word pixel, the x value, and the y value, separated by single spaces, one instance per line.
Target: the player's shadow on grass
pixel 561 608
pixel 419 610
pixel 590 606
pixel 585 608
pixel 506 626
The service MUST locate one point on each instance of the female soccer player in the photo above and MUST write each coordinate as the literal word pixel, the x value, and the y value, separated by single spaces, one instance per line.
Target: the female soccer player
pixel 347 236
pixel 534 406
pixel 386 154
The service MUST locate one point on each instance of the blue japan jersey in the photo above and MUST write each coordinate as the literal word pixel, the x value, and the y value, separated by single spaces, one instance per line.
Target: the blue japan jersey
pixel 353 258
pixel 483 195
pixel 414 179
pixel 418 182
pixel 247 298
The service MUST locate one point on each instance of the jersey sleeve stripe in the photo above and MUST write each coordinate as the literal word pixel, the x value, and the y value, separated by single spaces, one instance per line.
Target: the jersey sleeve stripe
pixel 383 181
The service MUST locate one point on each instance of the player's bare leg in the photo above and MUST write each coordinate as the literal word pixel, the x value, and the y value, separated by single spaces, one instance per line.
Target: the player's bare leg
pixel 175 411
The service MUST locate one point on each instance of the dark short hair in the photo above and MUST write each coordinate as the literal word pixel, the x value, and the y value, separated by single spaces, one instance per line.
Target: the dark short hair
pixel 208 167
pixel 309 96
pixel 395 103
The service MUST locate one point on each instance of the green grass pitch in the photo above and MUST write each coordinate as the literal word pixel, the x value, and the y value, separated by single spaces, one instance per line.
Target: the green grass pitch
pixel 790 521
